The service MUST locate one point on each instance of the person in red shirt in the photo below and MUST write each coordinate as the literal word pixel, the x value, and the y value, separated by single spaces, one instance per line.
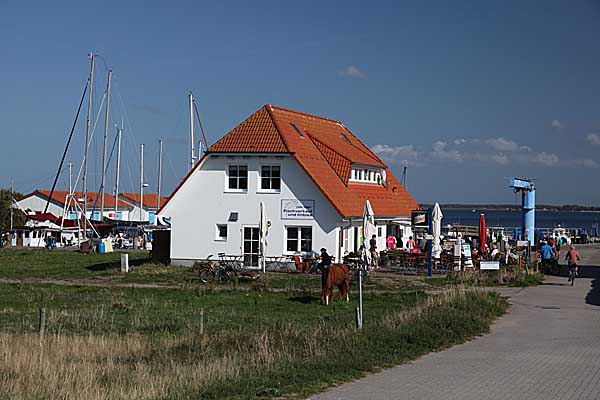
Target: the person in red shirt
pixel 572 258
pixel 391 242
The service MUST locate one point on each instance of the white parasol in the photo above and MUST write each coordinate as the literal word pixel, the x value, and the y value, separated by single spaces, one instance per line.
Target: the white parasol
pixel 436 219
pixel 368 227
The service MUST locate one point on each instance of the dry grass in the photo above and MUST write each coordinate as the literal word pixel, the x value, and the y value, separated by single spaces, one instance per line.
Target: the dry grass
pixel 233 364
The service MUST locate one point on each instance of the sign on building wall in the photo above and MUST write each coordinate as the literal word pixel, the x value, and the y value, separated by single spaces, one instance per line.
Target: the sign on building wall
pixel 297 209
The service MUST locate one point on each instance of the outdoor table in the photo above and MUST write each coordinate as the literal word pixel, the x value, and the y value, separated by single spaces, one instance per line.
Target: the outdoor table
pixel 278 263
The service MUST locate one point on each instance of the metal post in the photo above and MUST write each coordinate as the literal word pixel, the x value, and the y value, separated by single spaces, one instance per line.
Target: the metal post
pixel 192 155
pixel 104 145
pixel 70 165
pixel 430 246
pixel 119 132
pixel 141 180
pixel 160 149
pixel 12 196
pixel 92 56
pixel 360 298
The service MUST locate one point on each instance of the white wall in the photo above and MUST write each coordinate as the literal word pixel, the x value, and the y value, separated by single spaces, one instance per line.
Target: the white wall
pixel 204 201
pixel 38 204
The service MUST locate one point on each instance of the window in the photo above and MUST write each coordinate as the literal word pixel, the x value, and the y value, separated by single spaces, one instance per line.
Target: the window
pixel 221 232
pixel 299 238
pixel 298 131
pixel 270 177
pixel 238 177
pixel 251 246
pixel 367 175
pixel 379 233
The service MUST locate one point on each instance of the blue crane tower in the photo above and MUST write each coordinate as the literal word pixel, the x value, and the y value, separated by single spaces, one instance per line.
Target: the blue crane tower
pixel 527 189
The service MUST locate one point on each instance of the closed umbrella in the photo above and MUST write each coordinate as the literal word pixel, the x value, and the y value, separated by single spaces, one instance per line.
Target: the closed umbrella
pixel 262 233
pixel 368 227
pixel 436 222
pixel 482 233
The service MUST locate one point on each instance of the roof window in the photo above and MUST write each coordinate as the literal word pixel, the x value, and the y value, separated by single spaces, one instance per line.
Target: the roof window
pixel 346 137
pixel 297 130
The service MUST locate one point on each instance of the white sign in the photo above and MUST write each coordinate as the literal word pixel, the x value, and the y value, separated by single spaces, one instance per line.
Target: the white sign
pixel 297 209
pixel 522 243
pixel 428 237
pixel 489 265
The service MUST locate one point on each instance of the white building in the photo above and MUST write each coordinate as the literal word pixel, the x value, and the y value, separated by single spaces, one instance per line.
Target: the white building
pixel 312 174
pixel 128 209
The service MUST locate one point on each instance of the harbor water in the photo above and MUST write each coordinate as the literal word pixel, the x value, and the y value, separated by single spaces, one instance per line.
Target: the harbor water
pixel 544 219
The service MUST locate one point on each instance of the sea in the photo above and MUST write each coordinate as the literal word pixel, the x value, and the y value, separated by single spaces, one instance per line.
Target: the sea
pixel 585 220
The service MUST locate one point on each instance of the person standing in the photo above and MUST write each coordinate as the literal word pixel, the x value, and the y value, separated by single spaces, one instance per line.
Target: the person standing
pixel 547 254
pixel 373 250
pixel 323 266
pixel 410 243
pixel 391 242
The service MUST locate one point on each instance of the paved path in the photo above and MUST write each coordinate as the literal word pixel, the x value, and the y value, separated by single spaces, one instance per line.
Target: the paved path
pixel 547 347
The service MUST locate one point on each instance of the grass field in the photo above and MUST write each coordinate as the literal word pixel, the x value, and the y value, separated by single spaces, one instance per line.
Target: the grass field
pixel 261 340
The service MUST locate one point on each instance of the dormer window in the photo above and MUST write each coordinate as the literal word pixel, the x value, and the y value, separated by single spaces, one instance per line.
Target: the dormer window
pixel 366 175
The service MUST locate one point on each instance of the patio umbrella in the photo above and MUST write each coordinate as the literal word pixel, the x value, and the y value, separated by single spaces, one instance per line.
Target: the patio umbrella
pixel 482 232
pixel 262 234
pixel 436 219
pixel 368 227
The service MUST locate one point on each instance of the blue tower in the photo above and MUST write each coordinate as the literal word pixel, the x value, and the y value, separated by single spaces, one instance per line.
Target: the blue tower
pixel 527 189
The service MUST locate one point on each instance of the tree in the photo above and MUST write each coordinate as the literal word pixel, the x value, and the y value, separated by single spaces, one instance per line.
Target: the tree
pixel 5 203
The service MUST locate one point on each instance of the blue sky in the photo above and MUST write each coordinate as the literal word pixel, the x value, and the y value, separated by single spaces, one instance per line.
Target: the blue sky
pixel 467 93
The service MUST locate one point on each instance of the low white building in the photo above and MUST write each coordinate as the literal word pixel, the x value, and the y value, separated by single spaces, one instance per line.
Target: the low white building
pixel 312 174
pixel 128 209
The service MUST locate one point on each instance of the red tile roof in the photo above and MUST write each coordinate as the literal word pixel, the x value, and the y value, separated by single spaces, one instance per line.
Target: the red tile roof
pixel 60 196
pixel 326 150
pixel 149 199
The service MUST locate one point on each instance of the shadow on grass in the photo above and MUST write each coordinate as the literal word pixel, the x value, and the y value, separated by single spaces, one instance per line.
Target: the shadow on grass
pixel 115 265
pixel 305 299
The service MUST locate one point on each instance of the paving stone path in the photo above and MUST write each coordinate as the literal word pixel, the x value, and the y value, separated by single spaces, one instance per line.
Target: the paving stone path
pixel 546 347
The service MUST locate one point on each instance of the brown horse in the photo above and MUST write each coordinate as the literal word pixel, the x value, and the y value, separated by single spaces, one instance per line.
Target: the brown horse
pixel 337 275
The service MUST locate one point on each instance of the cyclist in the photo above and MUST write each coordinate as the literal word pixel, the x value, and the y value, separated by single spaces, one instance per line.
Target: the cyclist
pixel 572 257
pixel 547 254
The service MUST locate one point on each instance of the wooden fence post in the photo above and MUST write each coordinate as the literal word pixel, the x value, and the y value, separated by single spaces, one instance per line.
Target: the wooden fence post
pixel 42 321
pixel 201 321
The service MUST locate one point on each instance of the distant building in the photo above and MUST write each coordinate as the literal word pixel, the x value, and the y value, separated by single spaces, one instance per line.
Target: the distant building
pixel 313 176
pixel 128 207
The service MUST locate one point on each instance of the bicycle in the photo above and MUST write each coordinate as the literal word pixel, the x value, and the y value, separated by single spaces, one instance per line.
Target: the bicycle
pixel 572 273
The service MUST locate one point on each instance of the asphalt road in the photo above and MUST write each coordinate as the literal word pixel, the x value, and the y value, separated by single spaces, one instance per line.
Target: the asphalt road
pixel 546 347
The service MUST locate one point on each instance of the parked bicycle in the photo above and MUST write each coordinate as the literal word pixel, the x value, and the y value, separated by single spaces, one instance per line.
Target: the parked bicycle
pixel 209 271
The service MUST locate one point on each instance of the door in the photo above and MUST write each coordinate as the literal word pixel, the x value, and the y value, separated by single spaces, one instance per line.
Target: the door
pixel 356 239
pixel 250 242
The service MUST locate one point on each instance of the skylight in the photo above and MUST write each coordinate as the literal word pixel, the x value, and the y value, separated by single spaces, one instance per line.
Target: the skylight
pixel 297 130
pixel 346 137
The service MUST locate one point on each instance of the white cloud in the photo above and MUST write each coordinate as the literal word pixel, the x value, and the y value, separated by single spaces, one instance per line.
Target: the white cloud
pixel 587 163
pixel 397 154
pixel 593 138
pixel 547 159
pixel 352 71
pixel 502 144
pixel 459 141
pixel 556 124
pixel 441 151
pixel 499 158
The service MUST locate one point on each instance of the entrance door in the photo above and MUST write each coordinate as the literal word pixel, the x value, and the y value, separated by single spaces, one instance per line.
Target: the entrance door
pixel 356 239
pixel 250 242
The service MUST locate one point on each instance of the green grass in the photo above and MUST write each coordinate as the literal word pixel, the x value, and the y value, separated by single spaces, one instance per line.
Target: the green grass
pixel 286 343
pixel 488 278
pixel 267 338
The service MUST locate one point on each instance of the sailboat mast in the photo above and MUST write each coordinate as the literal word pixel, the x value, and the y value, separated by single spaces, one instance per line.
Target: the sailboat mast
pixel 102 185
pixel 92 57
pixel 160 149
pixel 119 132
pixel 141 180
pixel 192 155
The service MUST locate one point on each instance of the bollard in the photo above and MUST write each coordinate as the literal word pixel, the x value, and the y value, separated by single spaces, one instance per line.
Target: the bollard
pixel 42 322
pixel 124 262
pixel 201 321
